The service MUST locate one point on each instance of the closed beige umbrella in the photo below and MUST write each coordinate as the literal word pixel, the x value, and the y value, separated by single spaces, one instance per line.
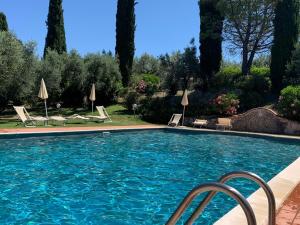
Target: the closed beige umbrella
pixel 93 96
pixel 184 103
pixel 43 94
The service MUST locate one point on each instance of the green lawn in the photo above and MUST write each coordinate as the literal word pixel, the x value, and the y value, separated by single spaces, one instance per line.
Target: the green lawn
pixel 118 113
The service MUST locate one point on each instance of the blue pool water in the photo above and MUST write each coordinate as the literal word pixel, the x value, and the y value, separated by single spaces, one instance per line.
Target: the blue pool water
pixel 129 178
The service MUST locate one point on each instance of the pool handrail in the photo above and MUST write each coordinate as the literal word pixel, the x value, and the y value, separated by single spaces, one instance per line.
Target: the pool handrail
pixel 239 174
pixel 213 187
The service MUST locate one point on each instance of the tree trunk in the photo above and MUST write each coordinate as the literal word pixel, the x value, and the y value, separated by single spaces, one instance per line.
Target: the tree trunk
pixel 245 69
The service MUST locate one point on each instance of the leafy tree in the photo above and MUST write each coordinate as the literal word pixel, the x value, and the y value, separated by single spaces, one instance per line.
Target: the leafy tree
pixel 169 68
pixel 180 68
pixel 125 30
pixel 286 34
pixel 17 69
pixel 56 38
pixel 146 64
pixel 51 69
pixel 248 26
pixel 104 72
pixel 72 81
pixel 189 65
pixel 3 22
pixel 210 39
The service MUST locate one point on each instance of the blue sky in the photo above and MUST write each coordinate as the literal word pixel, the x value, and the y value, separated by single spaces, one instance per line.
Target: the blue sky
pixel 162 25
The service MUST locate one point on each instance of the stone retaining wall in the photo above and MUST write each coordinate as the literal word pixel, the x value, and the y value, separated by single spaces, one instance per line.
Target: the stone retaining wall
pixel 260 120
pixel 264 120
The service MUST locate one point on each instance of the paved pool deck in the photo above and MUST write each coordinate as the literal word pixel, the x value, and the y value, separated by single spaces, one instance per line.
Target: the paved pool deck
pixel 288 214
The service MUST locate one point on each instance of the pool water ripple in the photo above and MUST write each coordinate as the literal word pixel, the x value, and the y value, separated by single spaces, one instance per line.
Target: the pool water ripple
pixel 127 177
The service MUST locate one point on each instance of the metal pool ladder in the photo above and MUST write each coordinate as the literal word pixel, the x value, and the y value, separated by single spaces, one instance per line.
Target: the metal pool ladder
pixel 220 186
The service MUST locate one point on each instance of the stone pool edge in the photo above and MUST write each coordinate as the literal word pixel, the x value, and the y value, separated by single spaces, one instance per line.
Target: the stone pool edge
pixel 282 186
pixel 74 130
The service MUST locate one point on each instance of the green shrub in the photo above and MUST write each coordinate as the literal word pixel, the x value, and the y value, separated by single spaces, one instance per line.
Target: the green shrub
pixel 254 83
pixel 131 98
pixel 254 88
pixel 227 77
pixel 151 79
pixel 289 102
pixel 250 100
pixel 260 71
pixel 159 110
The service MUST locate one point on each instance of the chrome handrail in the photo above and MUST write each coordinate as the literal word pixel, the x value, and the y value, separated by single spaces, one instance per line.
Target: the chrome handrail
pixel 239 174
pixel 215 187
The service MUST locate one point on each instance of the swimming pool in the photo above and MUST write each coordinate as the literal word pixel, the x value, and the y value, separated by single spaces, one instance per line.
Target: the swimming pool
pixel 136 177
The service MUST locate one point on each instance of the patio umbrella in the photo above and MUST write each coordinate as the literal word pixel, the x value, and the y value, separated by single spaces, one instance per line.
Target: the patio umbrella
pixel 184 103
pixel 43 94
pixel 93 96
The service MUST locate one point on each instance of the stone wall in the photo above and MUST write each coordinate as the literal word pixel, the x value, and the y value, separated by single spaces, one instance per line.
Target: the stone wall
pixel 264 120
pixel 261 120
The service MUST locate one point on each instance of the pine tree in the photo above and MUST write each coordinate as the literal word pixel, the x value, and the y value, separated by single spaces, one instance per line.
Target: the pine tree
pixel 125 30
pixel 286 33
pixel 56 39
pixel 210 40
pixel 3 22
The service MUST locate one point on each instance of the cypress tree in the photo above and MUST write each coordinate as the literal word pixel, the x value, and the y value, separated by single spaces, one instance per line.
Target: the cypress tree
pixel 125 30
pixel 286 33
pixel 211 28
pixel 3 22
pixel 56 39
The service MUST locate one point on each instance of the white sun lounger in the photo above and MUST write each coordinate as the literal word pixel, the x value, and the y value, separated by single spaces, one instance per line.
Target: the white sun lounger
pixel 174 121
pixel 58 119
pixel 76 116
pixel 27 120
pixel 224 123
pixel 103 115
pixel 200 123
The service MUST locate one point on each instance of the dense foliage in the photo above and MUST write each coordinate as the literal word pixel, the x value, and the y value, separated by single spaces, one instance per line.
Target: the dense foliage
pixel 17 74
pixel 3 22
pixel 210 40
pixel 289 102
pixel 103 71
pixel 286 34
pixel 56 38
pixel 125 31
pixel 293 69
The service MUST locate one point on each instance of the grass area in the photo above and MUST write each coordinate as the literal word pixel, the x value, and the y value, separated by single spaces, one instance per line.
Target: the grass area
pixel 118 113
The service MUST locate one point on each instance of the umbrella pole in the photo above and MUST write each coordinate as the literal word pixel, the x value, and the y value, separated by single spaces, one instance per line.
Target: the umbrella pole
pixel 183 116
pixel 46 108
pixel 92 107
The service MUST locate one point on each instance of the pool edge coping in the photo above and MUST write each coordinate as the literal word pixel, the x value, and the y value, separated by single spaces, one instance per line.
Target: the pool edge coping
pixel 282 186
pixel 74 130
pixel 79 130
pixel 233 132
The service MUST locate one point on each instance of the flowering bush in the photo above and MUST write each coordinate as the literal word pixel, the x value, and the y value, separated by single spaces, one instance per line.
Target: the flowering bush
pixel 289 102
pixel 226 104
pixel 141 87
